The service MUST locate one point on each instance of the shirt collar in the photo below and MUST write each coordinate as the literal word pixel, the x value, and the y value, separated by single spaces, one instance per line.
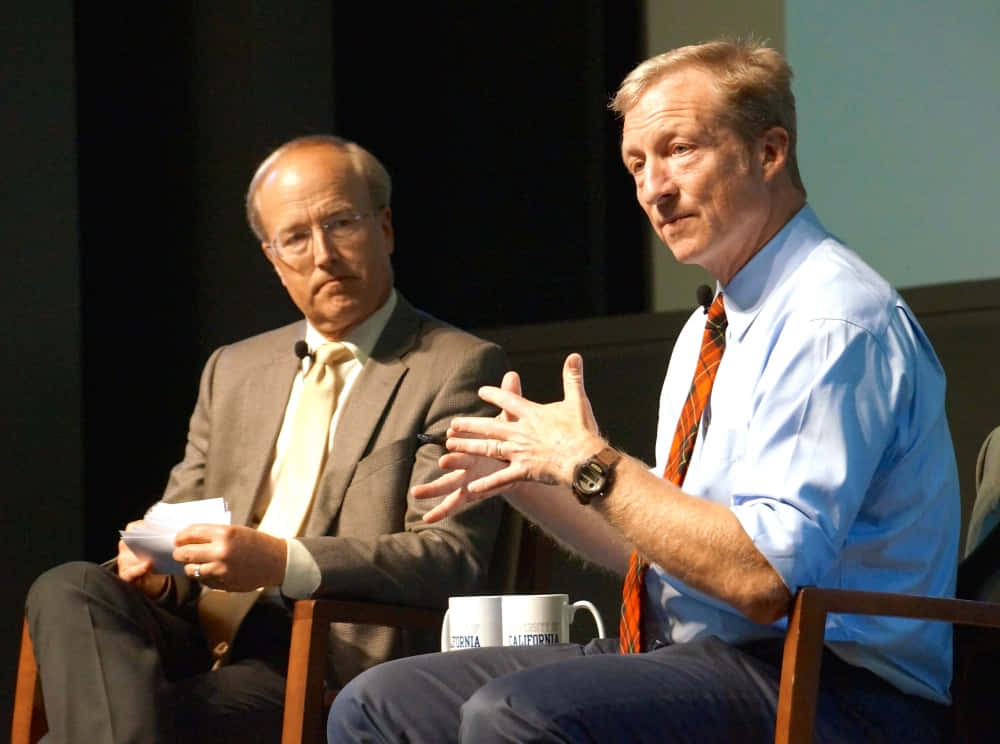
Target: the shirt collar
pixel 769 267
pixel 362 339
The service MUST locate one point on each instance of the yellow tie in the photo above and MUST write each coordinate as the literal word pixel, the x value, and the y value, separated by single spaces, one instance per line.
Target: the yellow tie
pixel 306 453
pixel 221 612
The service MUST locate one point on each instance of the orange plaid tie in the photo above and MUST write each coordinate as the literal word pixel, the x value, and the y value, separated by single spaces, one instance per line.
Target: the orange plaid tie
pixel 713 344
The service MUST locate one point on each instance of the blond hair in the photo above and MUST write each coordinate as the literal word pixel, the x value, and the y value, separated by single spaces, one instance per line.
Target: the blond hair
pixel 754 80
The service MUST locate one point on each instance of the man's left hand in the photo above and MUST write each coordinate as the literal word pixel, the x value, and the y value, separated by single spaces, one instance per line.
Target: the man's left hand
pixel 540 443
pixel 234 558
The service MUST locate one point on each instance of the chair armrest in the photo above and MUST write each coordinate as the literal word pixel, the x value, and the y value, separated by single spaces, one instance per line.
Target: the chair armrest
pixel 804 642
pixel 28 724
pixel 308 649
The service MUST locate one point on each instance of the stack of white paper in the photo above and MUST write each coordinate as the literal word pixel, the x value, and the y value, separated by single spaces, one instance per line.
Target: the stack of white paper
pixel 154 537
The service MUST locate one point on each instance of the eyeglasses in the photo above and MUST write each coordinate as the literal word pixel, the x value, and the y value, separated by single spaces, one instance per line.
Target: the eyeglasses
pixel 295 246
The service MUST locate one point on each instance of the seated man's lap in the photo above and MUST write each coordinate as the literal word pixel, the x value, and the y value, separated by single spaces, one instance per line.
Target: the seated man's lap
pixel 149 652
pixel 704 691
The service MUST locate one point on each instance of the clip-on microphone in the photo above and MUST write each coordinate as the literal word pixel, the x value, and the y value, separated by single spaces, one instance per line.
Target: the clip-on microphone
pixel 303 353
pixel 704 294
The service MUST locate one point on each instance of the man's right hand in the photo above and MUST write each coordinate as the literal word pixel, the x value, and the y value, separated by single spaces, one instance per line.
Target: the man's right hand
pixel 138 571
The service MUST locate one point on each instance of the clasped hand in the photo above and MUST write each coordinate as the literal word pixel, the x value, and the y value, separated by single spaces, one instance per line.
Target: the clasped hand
pixel 525 442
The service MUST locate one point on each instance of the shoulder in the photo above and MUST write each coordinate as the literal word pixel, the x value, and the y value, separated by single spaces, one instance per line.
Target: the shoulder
pixel 417 337
pixel 270 347
pixel 834 283
pixel 442 350
pixel 835 293
pixel 439 334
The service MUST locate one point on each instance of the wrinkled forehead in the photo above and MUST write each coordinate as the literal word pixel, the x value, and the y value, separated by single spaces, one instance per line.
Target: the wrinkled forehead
pixel 686 99
pixel 687 89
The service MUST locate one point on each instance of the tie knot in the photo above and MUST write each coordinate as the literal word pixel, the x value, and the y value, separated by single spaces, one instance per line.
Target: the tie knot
pixel 717 311
pixel 332 352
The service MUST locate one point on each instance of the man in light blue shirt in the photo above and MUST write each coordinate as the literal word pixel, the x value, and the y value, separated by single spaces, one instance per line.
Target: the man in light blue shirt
pixel 827 440
pixel 822 457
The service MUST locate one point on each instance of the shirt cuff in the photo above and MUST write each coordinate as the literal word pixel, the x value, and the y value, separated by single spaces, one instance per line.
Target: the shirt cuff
pixel 302 576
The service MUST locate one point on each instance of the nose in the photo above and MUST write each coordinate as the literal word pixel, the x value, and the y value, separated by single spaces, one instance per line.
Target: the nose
pixel 323 244
pixel 655 183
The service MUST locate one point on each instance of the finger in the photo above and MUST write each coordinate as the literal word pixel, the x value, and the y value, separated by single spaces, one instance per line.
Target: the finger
pixel 494 483
pixel 452 504
pixel 189 555
pixel 458 461
pixel 511 383
pixel 573 389
pixel 197 533
pixel 511 403
pixel 491 447
pixel 470 434
pixel 443 485
pixel 134 570
pixel 125 552
pixel 468 425
pixel 202 572
pixel 575 392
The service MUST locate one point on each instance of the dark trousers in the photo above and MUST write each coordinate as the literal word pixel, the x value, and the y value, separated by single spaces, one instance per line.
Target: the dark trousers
pixel 117 667
pixel 704 692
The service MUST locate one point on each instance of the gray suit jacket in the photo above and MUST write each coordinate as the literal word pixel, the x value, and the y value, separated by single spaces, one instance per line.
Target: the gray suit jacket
pixel 365 530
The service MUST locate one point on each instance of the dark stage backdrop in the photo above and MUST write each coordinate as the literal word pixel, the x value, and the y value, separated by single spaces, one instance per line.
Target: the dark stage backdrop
pixel 130 132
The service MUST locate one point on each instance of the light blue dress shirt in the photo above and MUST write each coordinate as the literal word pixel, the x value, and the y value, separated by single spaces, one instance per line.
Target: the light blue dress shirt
pixel 826 436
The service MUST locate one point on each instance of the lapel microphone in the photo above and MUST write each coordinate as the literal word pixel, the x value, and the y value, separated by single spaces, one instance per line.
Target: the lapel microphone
pixel 303 353
pixel 704 294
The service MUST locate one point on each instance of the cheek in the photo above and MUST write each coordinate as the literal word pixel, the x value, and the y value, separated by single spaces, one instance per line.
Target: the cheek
pixel 298 289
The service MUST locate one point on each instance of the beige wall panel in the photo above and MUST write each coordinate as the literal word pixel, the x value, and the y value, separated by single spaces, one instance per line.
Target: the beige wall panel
pixel 669 24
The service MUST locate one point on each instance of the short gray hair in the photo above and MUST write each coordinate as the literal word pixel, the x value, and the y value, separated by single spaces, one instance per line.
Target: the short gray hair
pixel 375 175
pixel 754 80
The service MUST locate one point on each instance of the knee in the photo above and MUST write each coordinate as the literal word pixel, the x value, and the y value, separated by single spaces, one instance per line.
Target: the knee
pixel 356 711
pixel 58 586
pixel 500 711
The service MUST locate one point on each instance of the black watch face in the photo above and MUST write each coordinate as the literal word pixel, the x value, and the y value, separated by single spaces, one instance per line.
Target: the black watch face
pixel 590 479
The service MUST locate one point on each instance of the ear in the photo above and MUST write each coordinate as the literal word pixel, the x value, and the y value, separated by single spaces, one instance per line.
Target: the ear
pixel 385 225
pixel 270 257
pixel 773 151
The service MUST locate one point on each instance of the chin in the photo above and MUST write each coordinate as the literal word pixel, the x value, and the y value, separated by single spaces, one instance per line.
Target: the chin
pixel 684 251
pixel 335 315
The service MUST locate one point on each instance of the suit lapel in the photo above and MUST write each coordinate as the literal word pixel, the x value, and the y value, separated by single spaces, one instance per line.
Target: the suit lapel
pixel 266 394
pixel 370 397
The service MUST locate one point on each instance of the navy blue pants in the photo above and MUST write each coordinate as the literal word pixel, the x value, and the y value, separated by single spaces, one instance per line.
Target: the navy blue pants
pixel 704 691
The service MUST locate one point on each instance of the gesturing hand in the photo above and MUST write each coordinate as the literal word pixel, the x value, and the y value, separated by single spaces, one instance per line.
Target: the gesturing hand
pixel 527 442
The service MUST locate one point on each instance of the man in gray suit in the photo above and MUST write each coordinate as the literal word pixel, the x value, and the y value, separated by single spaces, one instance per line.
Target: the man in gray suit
pixel 122 658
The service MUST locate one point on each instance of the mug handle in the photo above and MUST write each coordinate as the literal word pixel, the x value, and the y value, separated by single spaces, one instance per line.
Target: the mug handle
pixel 593 611
pixel 445 631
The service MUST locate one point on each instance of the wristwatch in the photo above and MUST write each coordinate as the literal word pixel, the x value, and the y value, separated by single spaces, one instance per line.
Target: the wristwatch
pixel 593 477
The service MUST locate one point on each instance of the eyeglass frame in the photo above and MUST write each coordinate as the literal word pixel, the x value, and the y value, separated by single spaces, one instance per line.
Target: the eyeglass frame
pixel 293 260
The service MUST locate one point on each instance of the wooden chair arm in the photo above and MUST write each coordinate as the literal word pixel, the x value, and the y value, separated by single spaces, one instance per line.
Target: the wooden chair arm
pixel 308 649
pixel 28 724
pixel 804 642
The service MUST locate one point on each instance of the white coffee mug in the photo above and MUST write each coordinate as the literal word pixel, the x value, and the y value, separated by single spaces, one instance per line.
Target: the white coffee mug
pixel 542 619
pixel 472 622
